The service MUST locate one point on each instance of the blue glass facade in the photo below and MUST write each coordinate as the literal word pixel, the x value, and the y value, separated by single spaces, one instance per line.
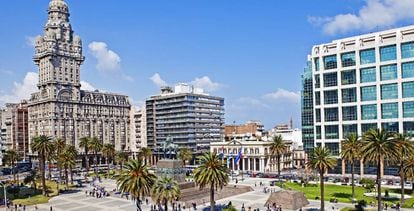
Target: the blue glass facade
pixel 408 128
pixel 407 69
pixel 348 59
pixel 317 81
pixel 367 126
pixel 407 50
pixel 330 62
pixel 369 112
pixel 368 74
pixel 331 132
pixel 349 113
pixel 349 95
pixel 408 109
pixel 367 56
pixel 408 89
pixel 388 53
pixel 330 97
pixel 317 98
pixel 348 77
pixel 389 91
pixel 318 115
pixel 330 79
pixel 331 114
pixel 389 110
pixel 347 130
pixel 317 65
pixel 390 126
pixel 368 93
pixel 388 72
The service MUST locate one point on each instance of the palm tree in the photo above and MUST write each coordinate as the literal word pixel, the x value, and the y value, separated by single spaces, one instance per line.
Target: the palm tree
pixel 84 143
pixel 108 151
pixel 96 146
pixel 11 157
pixel 121 158
pixel 378 146
pixel 43 146
pixel 321 160
pixel 278 148
pixel 408 169
pixel 73 152
pixel 60 145
pixel 405 148
pixel 165 190
pixel 185 154
pixel 136 180
pixel 31 178
pixel 351 150
pixel 145 154
pixel 66 159
pixel 212 173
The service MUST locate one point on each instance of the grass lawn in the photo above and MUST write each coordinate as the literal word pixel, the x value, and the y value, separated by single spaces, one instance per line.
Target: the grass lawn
pixel 341 193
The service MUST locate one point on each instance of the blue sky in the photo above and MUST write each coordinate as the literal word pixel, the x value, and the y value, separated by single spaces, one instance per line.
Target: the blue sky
pixel 251 52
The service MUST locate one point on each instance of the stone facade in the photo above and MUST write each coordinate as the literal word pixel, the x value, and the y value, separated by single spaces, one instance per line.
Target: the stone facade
pixel 60 109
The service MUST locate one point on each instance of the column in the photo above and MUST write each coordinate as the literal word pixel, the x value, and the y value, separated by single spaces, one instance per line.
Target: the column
pixel 260 165
pixel 254 164
pixel 343 167
pixel 248 165
pixel 232 163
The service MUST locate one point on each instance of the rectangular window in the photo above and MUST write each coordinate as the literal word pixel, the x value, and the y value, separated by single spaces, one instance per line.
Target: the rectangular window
pixel 388 72
pixel 389 110
pixel 408 109
pixel 367 56
pixel 349 95
pixel 331 114
pixel 408 128
pixel 368 93
pixel 318 115
pixel 407 50
pixel 330 79
pixel 348 77
pixel 347 130
pixel 317 81
pixel 317 98
pixel 330 62
pixel 331 132
pixel 366 127
pixel 388 53
pixel 348 59
pixel 368 74
pixel 330 97
pixel 389 91
pixel 390 126
pixel 349 113
pixel 407 69
pixel 316 61
pixel 408 89
pixel 333 148
pixel 369 112
pixel 318 132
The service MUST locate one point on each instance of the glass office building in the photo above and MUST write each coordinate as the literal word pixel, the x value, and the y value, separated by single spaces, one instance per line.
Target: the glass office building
pixel 360 83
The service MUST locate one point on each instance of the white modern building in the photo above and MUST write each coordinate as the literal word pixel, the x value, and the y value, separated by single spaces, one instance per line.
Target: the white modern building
pixel 288 133
pixel 363 82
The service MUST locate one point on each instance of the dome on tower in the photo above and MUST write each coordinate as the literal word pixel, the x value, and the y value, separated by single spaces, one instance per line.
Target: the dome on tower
pixel 58 5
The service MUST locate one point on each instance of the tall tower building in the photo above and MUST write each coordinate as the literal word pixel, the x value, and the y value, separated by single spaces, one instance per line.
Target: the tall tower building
pixel 60 109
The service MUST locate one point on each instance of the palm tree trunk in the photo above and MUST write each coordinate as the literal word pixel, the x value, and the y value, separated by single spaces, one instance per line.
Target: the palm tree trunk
pixel 66 177
pixel 86 161
pixel 49 170
pixel 166 205
pixel 402 178
pixel 278 170
pixel 212 202
pixel 352 178
pixel 96 163
pixel 14 172
pixel 42 171
pixel 322 190
pixel 379 184
pixel 71 174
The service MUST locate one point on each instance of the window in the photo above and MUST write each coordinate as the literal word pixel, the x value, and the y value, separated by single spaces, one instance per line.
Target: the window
pixel 349 113
pixel 389 91
pixel 390 126
pixel 408 109
pixel 408 89
pixel 349 95
pixel 367 56
pixel 369 112
pixel 330 62
pixel 408 128
pixel 368 74
pixel 317 81
pixel 388 53
pixel 389 110
pixel 348 59
pixel 368 93
pixel 348 77
pixel 333 148
pixel 331 132
pixel 330 79
pixel 331 114
pixel 318 132
pixel 407 50
pixel 317 98
pixel 366 127
pixel 347 130
pixel 318 115
pixel 316 61
pixel 407 69
pixel 330 97
pixel 388 72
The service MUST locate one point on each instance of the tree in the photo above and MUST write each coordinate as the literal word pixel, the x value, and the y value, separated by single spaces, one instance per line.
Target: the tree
pixel 43 146
pixel 405 149
pixel 185 154
pixel 408 169
pixel 84 143
pixel 31 178
pixel 165 190
pixel 11 157
pixel 121 158
pixel 212 173
pixel 322 161
pixel 67 160
pixel 278 148
pixel 145 153
pixel 351 151
pixel 136 180
pixel 60 145
pixel 73 152
pixel 378 146
pixel 108 151
pixel 96 146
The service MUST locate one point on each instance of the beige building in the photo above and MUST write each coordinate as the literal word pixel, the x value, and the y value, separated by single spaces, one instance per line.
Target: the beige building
pixel 61 109
pixel 249 129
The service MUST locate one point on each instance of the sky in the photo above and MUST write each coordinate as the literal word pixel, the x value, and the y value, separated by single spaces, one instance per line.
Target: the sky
pixel 251 52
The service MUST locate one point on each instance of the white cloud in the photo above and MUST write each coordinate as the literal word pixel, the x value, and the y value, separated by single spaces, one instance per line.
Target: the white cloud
pixel 107 59
pixel 282 94
pixel 375 13
pixel 206 84
pixel 30 41
pixel 87 86
pixel 21 90
pixel 157 80
pixel 128 77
